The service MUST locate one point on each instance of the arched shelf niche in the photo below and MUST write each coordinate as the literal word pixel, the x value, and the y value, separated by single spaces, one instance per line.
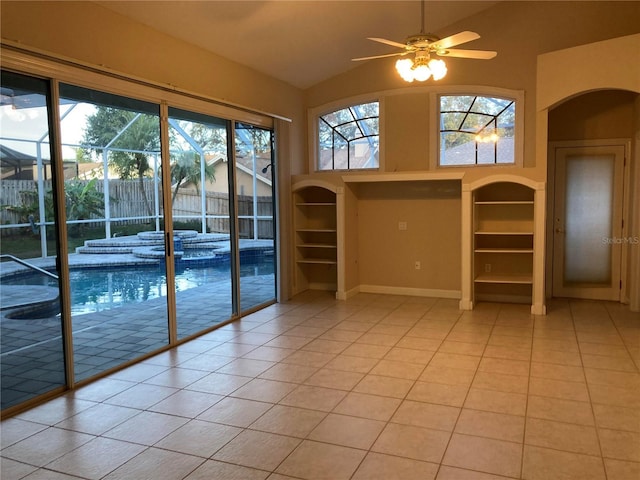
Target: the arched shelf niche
pixel 503 241
pixel 318 230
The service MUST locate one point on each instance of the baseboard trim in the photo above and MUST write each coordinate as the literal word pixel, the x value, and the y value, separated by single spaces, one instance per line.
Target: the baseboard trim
pixel 412 292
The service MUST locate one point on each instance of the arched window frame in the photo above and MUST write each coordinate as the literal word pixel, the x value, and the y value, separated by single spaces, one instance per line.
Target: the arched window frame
pixel 516 96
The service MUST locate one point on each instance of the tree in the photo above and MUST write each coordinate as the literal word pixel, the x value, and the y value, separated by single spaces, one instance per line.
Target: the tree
pixel 130 137
pixel 185 167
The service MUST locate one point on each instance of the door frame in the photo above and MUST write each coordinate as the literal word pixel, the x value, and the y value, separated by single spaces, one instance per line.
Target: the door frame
pixel 553 147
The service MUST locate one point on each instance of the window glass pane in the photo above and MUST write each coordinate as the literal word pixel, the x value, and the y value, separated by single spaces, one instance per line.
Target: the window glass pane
pixel 348 138
pixel 31 334
pixel 115 226
pixel 476 130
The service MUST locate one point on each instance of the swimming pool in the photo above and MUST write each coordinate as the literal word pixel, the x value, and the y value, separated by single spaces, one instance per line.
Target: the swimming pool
pixel 99 289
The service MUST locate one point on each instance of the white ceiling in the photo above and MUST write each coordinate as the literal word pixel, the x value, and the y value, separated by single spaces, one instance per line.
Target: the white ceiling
pixel 300 42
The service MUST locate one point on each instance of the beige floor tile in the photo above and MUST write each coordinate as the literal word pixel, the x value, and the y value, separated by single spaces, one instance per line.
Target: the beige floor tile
pixel 141 396
pixel 622 364
pixel 10 469
pixel 100 391
pixel 176 377
pixel 617 418
pixel 186 403
pixel 146 428
pixel 621 470
pixel 218 383
pixel 505 366
pixel 96 458
pixel 508 341
pixel 246 367
pixel 491 425
pixel 326 346
pixel 453 395
pixel 348 363
pixel 315 460
pixel 612 378
pixel 269 354
pixel 139 372
pixel 484 455
pixel 611 395
pixel 347 431
pixel 410 355
pixel 199 438
pixel 212 469
pixel 447 376
pixel 237 412
pixel 363 405
pixel 599 337
pixel 408 441
pixel 288 373
pixel 429 415
pixel 288 341
pixel 542 344
pixel 291 421
pixel 416 343
pixel 231 349
pixel 512 331
pixel 306 331
pixel 620 445
pixel 497 402
pixel 454 360
pixel 15 429
pixel 157 464
pixel 605 350
pixel 568 373
pixel 372 338
pixel 545 387
pixel 309 359
pixel 501 382
pixel 354 326
pixel 366 350
pixel 377 466
pixel 95 420
pixel 508 352
pixel 338 335
pixel 452 473
pixel 338 379
pixel 545 464
pixel 568 411
pixel 392 368
pixel 557 357
pixel 261 389
pixel 257 450
pixel 385 386
pixel 469 337
pixel 562 436
pixel 315 398
pixel 462 348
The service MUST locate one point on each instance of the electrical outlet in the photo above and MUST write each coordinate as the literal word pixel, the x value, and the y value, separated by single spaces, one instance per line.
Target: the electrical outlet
pixel 418 266
pixel 487 268
pixel 402 225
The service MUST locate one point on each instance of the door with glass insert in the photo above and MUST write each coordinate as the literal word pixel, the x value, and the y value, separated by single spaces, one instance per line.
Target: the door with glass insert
pixel 255 175
pixel 588 222
pixel 31 335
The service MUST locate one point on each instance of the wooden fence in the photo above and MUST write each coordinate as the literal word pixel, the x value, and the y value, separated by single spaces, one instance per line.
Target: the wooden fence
pixel 128 205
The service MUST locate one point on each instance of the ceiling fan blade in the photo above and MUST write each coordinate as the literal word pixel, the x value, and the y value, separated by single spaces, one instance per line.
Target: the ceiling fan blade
pixel 387 42
pixel 477 54
pixel 379 56
pixel 457 39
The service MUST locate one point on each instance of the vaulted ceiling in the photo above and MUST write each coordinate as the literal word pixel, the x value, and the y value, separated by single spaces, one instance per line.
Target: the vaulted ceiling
pixel 300 42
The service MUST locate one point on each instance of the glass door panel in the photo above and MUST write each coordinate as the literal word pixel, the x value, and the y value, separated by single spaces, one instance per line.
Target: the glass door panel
pixel 115 222
pixel 32 347
pixel 254 163
pixel 201 220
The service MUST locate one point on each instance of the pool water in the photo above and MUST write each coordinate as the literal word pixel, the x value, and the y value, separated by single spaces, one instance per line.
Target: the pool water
pixel 99 289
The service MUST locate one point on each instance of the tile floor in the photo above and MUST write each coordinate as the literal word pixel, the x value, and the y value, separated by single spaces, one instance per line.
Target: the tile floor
pixel 377 387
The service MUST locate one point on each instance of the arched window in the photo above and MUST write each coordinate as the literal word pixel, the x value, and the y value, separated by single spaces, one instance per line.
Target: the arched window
pixel 477 130
pixel 349 138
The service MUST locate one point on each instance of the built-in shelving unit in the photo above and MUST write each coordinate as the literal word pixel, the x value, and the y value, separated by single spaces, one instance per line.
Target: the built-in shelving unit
pixel 503 242
pixel 316 245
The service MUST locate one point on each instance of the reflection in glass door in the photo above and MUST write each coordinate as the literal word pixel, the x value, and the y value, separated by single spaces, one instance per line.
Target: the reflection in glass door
pixel 32 347
pixel 115 222
pixel 254 173
pixel 201 220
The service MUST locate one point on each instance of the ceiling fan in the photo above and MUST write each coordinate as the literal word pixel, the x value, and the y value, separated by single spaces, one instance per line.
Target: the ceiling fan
pixel 424 45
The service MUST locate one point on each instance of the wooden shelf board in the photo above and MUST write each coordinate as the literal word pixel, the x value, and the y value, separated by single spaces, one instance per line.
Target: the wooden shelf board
pixel 316 245
pixel 320 230
pixel 404 177
pixel 505 202
pixel 502 232
pixel 504 250
pixel 322 261
pixel 317 204
pixel 491 278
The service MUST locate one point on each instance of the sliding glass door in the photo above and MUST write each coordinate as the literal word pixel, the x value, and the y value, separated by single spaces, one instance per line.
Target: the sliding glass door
pixel 254 173
pixel 32 359
pixel 201 207
pixel 168 225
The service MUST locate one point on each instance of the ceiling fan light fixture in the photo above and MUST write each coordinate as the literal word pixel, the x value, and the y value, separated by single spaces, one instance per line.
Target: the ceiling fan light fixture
pixel 438 68
pixel 421 68
pixel 404 67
